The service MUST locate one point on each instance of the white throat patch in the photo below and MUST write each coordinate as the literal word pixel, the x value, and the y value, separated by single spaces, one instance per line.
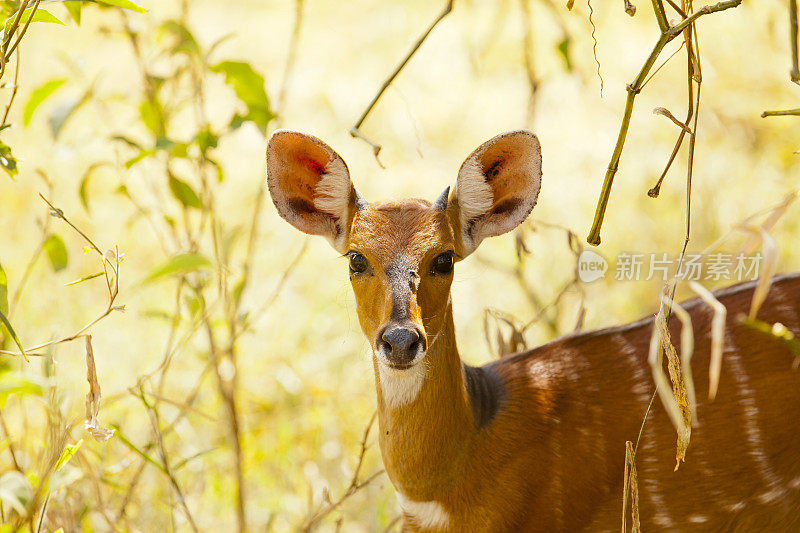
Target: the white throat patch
pixel 425 515
pixel 400 387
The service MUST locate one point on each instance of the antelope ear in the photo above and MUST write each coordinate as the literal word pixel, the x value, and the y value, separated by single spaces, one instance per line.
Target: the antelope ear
pixel 496 189
pixel 310 185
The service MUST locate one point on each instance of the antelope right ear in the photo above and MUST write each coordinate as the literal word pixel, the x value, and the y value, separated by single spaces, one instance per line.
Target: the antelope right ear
pixel 310 185
pixel 496 189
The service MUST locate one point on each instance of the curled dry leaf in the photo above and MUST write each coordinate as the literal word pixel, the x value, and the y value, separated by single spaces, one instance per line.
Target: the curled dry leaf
pixel 770 249
pixel 92 424
pixel 717 336
pixel 676 398
pixel 666 113
pixel 775 214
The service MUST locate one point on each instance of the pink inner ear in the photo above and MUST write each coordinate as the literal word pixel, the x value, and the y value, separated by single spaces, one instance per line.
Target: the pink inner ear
pixel 501 167
pixel 311 164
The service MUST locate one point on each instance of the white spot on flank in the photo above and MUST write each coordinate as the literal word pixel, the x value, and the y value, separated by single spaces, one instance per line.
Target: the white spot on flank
pixel 425 515
pixel 400 387
pixel 771 496
pixel 737 506
pixel 795 483
pixel 661 516
pixel 697 519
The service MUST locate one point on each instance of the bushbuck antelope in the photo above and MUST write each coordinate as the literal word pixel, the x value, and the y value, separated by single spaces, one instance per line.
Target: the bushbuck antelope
pixel 536 441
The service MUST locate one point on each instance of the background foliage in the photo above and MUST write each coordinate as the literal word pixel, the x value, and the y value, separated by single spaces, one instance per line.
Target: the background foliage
pixel 236 380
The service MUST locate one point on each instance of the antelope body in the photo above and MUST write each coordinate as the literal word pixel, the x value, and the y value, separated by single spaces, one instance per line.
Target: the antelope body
pixel 536 441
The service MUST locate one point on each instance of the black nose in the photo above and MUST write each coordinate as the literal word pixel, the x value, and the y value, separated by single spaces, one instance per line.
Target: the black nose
pixel 401 344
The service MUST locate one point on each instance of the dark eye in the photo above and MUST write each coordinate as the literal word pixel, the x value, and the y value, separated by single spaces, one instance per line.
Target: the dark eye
pixel 442 264
pixel 358 263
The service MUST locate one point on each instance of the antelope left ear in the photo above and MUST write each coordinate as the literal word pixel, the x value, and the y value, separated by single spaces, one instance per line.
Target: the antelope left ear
pixel 496 189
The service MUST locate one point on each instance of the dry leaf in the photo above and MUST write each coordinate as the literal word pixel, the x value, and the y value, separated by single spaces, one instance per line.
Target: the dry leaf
pixel 676 399
pixel 630 486
pixel 92 424
pixel 717 336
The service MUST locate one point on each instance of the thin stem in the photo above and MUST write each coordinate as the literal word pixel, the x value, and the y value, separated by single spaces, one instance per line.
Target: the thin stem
pixel 795 72
pixel 782 113
pixel 633 89
pixel 22 32
pixel 705 10
pixel 13 91
pixel 292 55
pixel 661 16
pixel 355 131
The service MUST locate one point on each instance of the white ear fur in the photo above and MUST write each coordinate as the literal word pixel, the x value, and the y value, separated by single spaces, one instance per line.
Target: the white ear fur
pixel 332 194
pixel 497 186
pixel 310 186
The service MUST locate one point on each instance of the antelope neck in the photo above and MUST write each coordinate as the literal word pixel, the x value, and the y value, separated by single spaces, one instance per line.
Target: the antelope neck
pixel 426 441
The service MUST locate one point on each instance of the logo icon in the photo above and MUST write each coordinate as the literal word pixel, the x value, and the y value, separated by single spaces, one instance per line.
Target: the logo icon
pixel 591 266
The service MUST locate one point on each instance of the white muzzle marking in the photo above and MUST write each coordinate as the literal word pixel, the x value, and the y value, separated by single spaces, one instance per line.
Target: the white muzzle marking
pixel 400 387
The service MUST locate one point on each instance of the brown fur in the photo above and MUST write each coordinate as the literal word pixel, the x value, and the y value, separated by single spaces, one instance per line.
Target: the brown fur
pixel 552 457
pixel 536 441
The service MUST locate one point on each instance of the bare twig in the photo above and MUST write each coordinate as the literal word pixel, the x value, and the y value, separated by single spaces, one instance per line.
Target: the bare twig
pixel 155 422
pixel 355 131
pixel 291 56
pixel 355 485
pixel 794 74
pixel 527 50
pixel 111 262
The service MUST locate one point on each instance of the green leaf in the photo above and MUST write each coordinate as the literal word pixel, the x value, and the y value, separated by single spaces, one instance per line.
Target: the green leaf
pixel 152 115
pixel 206 139
pixel 83 192
pixel 11 332
pixel 249 87
pixel 563 49
pixel 21 384
pixel 178 265
pixel 38 96
pixel 56 252
pixel 185 43
pixel 64 111
pixel 138 157
pixel 127 140
pixel 175 149
pixel 15 491
pixel 66 455
pixel 124 440
pixel 40 16
pixel 184 192
pixel 85 278
pixel 74 10
pixel 3 291
pixel 7 160
pixel 126 4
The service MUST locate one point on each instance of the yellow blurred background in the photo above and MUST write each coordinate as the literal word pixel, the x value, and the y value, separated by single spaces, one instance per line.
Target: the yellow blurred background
pixel 305 387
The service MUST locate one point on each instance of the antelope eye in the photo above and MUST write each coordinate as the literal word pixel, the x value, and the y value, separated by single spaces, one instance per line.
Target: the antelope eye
pixel 442 264
pixel 358 263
